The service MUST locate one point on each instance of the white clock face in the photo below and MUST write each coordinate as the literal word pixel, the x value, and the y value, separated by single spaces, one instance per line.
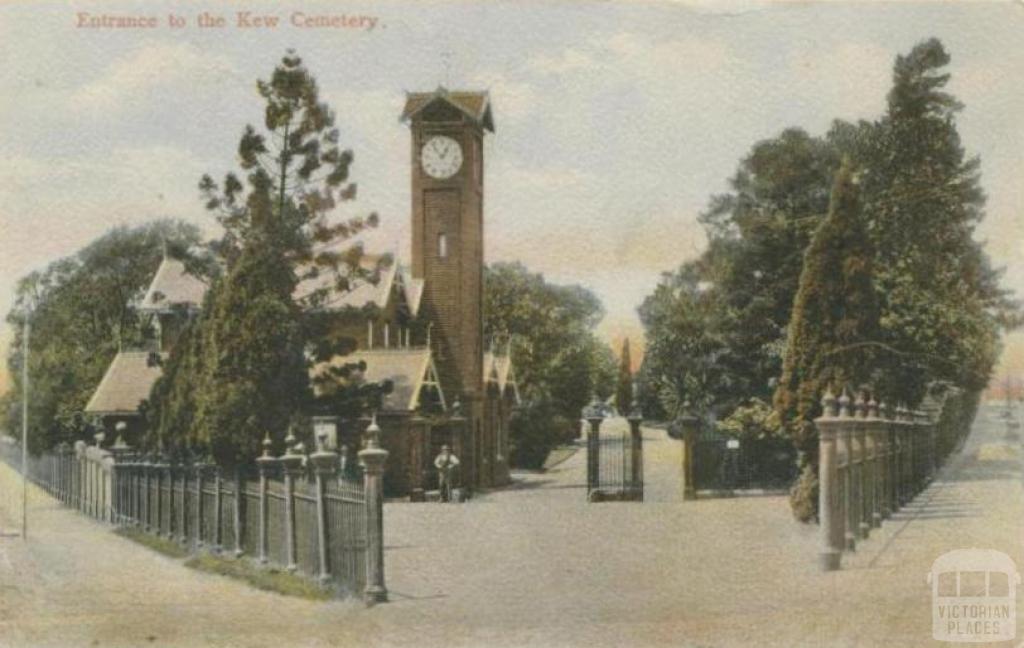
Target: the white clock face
pixel 441 157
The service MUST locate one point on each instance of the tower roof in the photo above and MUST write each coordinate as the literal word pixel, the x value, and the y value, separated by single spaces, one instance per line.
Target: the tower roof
pixel 475 105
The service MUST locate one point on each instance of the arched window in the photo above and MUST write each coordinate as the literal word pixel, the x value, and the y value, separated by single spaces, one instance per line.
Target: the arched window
pixel 442 245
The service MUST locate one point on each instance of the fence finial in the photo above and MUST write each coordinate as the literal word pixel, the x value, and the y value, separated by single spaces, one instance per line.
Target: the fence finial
pixel 828 402
pixel 266 444
pixel 844 403
pixel 873 407
pixel 861 406
pixel 373 433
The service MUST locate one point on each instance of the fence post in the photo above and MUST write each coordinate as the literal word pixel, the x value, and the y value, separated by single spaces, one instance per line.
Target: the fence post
pixel 830 512
pixel 237 522
pixel 158 473
pixel 372 458
pixel 265 463
pixel 864 491
pixel 200 469
pixel 636 452
pixel 292 463
pixel 119 450
pixel 885 450
pixel 77 476
pixel 685 429
pixel 877 462
pixel 183 470
pixel 892 479
pixel 847 468
pixel 907 467
pixel 592 414
pixel 217 537
pixel 325 463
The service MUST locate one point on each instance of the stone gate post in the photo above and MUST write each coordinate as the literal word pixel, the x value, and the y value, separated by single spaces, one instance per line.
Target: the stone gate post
pixel 686 429
pixel 325 464
pixel 877 453
pixel 845 425
pixel 266 464
pixel 636 459
pixel 864 492
pixel 592 415
pixel 372 458
pixel 830 512
pixel 292 464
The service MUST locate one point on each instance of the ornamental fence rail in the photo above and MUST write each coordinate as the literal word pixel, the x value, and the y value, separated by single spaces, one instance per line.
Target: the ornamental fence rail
pixel 873 460
pixel 316 515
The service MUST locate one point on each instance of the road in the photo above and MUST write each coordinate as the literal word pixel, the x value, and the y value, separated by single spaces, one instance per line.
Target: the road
pixel 535 565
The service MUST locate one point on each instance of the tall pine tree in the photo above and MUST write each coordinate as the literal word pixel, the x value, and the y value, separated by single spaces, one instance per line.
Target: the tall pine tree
pixel 243 369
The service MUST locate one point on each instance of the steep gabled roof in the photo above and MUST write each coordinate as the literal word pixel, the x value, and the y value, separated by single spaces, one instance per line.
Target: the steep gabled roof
pixel 172 286
pixel 475 105
pixel 364 293
pixel 409 369
pixel 498 370
pixel 125 385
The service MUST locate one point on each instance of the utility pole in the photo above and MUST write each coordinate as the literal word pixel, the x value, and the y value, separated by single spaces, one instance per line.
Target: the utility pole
pixel 24 426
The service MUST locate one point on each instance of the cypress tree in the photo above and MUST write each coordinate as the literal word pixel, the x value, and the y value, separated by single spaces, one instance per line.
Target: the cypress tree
pixel 831 331
pixel 624 386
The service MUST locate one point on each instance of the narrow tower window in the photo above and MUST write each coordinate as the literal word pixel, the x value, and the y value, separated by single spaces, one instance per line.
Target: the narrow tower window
pixel 442 245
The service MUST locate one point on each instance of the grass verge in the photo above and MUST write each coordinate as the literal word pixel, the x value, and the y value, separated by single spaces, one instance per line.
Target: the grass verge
pixel 160 545
pixel 268 579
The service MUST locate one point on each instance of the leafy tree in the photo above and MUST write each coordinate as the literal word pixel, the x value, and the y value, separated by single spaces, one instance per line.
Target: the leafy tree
pixel 835 313
pixel 82 312
pixel 624 386
pixel 942 306
pixel 685 359
pixel 559 362
pixel 246 370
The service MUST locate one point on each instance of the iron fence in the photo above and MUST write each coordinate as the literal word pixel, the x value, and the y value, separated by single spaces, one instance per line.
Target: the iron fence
pixel 198 507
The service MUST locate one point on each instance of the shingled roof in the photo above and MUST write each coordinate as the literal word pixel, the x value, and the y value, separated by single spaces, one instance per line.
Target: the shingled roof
pixel 126 384
pixel 407 368
pixel 475 105
pixel 173 286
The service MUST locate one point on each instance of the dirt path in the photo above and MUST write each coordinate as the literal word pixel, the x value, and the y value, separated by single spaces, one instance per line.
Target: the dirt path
pixel 536 566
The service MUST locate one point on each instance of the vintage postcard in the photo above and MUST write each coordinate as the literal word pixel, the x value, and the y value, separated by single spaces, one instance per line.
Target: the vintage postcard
pixel 497 324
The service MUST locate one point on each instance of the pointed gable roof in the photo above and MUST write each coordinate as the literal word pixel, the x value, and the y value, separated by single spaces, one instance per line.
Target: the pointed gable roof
pixel 394 280
pixel 172 285
pixel 498 370
pixel 409 369
pixel 125 385
pixel 475 105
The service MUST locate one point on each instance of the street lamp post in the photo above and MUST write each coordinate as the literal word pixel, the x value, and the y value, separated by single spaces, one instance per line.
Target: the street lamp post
pixel 26 328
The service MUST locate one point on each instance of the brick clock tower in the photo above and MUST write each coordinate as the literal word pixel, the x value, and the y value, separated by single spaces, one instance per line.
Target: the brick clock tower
pixel 448 128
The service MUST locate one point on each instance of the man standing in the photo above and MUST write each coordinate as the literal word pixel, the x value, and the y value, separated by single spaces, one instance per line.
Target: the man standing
pixel 445 462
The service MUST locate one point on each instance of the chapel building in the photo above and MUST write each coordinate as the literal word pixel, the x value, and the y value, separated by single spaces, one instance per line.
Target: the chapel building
pixel 423 330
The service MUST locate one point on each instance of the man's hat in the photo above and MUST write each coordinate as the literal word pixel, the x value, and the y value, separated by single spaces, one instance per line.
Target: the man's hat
pixel 445 447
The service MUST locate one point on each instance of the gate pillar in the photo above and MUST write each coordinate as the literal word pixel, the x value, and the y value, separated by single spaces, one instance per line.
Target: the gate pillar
pixel 636 457
pixel 592 414
pixel 686 431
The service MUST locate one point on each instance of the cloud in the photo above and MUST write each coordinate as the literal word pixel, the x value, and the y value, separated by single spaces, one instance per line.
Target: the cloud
pixel 153 70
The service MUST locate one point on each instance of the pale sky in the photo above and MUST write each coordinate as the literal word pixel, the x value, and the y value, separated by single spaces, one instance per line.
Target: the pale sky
pixel 615 122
